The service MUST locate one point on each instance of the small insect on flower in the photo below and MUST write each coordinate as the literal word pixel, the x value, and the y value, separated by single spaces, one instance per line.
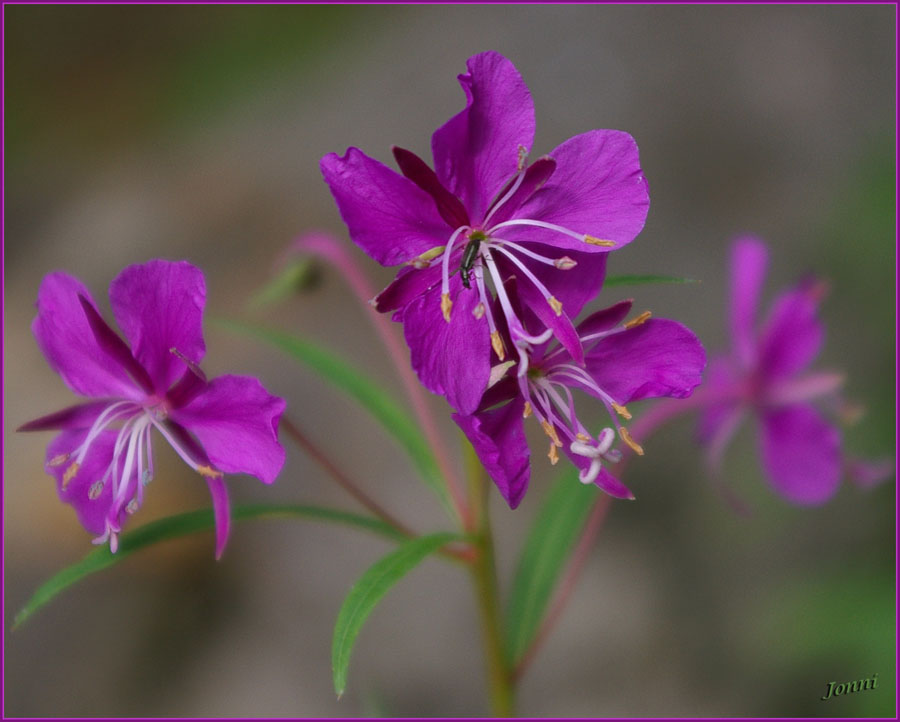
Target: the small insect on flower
pixel 470 254
pixel 151 380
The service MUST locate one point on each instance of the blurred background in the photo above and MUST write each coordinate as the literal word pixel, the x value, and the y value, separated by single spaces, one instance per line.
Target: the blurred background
pixel 195 132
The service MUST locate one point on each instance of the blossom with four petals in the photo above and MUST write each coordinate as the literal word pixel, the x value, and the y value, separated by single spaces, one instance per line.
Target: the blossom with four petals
pixel 482 215
pixel 766 376
pixel 103 458
pixel 624 362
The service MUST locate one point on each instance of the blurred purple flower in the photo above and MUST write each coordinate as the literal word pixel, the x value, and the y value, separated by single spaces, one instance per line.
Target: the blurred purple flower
pixel 640 359
pixel 487 213
pixel 103 458
pixel 766 375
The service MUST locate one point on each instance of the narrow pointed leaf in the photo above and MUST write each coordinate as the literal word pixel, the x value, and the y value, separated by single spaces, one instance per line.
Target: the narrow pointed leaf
pixel 181 525
pixel 296 276
pixel 369 590
pixel 640 280
pixel 546 550
pixel 366 392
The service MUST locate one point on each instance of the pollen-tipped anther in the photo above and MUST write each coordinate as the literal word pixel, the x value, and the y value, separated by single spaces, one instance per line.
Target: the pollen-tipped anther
pixel 626 437
pixel 551 432
pixel 478 311
pixel 424 260
pixel 59 460
pixel 621 410
pixel 583 438
pixel 565 263
pixel 70 474
pixel 446 305
pixel 591 240
pixel 209 472
pixel 95 491
pixel 497 345
pixel 637 320
pixel 553 454
pixel 526 410
pixel 556 305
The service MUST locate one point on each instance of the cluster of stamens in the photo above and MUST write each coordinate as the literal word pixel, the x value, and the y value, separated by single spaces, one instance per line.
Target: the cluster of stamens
pixel 479 262
pixel 549 398
pixel 132 458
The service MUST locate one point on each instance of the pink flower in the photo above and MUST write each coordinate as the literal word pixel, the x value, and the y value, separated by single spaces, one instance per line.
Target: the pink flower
pixel 639 359
pixel 767 376
pixel 484 214
pixel 103 458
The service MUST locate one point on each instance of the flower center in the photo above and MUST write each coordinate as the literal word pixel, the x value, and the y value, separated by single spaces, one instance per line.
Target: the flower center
pixel 130 466
pixel 479 260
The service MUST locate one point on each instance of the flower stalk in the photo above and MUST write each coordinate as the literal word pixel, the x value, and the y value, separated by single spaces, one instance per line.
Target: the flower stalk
pixel 500 680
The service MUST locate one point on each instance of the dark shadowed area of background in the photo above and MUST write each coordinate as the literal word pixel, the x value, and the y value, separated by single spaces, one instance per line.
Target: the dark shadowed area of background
pixel 195 132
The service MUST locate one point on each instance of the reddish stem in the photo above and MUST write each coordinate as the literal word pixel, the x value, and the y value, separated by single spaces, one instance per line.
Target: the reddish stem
pixel 328 248
pixel 344 481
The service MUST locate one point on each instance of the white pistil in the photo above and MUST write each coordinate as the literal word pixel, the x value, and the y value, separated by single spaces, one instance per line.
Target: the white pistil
pixel 595 453
pixel 520 176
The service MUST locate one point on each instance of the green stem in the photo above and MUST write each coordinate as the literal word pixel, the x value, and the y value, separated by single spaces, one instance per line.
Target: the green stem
pixel 500 679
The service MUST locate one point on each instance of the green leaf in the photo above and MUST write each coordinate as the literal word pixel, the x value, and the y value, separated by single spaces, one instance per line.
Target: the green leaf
pixel 295 276
pixel 369 590
pixel 546 550
pixel 639 280
pixel 365 391
pixel 181 525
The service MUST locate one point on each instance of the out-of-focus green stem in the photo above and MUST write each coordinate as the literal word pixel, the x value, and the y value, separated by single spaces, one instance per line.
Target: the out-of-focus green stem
pixel 500 680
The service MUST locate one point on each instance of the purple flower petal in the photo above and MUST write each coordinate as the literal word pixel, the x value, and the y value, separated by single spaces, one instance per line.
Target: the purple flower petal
pixel 868 473
pixel 114 347
pixel 561 325
pixel 606 319
pixel 749 258
pixel 612 486
pixel 536 175
pixel 418 171
pixel 801 453
pixel 657 358
pixel 572 288
pixel 221 512
pixel 478 150
pixel 159 307
pixel 236 422
pixel 64 334
pixel 92 513
pixel 388 216
pixel 792 335
pixel 451 359
pixel 598 189
pixel 409 284
pixel 720 380
pixel 498 437
pixel 80 416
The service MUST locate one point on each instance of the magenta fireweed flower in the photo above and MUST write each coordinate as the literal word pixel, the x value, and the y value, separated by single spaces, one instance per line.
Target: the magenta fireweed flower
pixel 103 458
pixel 485 214
pixel 766 375
pixel 642 358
